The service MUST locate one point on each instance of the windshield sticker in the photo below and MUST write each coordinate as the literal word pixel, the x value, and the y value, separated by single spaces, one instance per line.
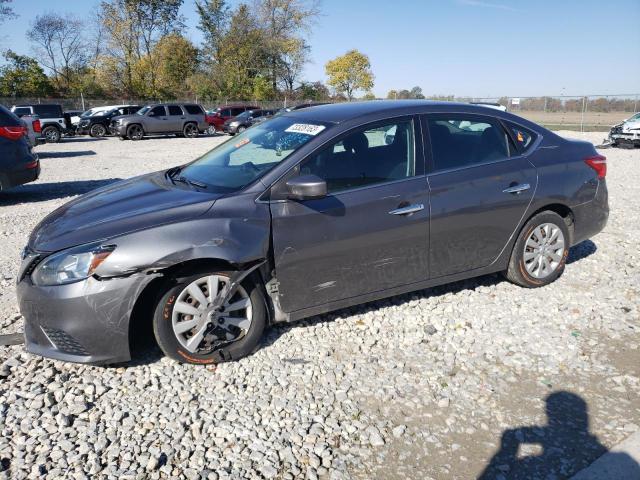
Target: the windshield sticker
pixel 242 142
pixel 305 128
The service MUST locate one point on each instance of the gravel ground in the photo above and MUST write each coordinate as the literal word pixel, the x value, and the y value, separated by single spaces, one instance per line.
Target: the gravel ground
pixel 437 384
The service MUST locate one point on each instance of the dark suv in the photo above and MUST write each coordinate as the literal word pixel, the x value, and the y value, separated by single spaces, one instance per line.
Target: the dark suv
pixel 245 120
pixel 98 125
pixel 18 164
pixel 186 119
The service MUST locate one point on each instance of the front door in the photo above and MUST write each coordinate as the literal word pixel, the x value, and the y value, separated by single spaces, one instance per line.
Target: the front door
pixel 480 190
pixel 370 233
pixel 157 120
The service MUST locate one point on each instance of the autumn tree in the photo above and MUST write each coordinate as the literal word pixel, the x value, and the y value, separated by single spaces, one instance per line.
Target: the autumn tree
pixel 22 76
pixel 349 73
pixel 60 47
pixel 177 61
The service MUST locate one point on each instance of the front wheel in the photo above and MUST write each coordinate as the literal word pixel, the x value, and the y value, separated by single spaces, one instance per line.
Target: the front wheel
pixel 135 132
pixel 190 328
pixel 540 252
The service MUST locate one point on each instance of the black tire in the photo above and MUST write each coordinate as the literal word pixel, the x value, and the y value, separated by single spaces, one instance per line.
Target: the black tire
pixel 135 132
pixel 51 134
pixel 98 130
pixel 169 344
pixel 190 130
pixel 517 271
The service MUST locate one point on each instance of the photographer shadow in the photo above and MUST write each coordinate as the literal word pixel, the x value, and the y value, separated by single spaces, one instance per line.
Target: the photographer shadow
pixel 564 446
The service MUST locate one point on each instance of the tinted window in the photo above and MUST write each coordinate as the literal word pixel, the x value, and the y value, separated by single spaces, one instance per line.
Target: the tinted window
pixel 157 111
pixel 48 111
pixel 237 111
pixel 175 110
pixel 20 111
pixel 366 157
pixel 458 142
pixel 193 109
pixel 523 137
pixel 8 119
pixel 226 112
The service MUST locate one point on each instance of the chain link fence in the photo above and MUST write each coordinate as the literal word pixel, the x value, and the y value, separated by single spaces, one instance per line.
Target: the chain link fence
pixel 563 112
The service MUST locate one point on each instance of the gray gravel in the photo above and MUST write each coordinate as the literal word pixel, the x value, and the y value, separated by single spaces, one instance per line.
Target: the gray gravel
pixel 418 386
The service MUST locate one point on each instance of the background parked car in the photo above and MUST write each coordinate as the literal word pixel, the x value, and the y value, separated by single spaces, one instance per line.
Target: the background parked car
pixel 186 119
pixel 34 129
pixel 246 119
pixel 18 164
pixel 97 124
pixel 626 133
pixel 222 114
pixel 51 116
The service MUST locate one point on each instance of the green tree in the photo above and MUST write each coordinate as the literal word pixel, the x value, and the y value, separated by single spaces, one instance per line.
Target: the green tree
pixel 349 73
pixel 177 61
pixel 368 96
pixel 392 95
pixel 213 22
pixel 316 91
pixel 22 76
pixel 416 92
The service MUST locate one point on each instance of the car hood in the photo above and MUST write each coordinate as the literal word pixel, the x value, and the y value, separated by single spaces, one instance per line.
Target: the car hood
pixel 117 209
pixel 633 125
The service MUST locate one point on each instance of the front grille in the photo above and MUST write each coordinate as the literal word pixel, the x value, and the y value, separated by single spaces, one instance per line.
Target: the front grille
pixel 64 342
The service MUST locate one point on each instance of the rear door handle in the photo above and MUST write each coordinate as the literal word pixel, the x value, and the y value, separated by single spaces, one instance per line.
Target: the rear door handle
pixel 517 189
pixel 408 210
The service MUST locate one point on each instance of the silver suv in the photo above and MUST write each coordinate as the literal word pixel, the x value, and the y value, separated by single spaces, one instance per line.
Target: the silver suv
pixel 186 119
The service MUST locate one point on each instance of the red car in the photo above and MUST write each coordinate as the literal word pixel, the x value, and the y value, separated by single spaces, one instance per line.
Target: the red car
pixel 223 113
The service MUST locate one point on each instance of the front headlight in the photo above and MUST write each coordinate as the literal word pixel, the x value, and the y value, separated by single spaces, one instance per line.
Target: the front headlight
pixel 70 265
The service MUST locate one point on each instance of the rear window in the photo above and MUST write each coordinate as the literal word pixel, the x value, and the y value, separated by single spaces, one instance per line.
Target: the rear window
pixel 237 111
pixel 48 111
pixel 8 119
pixel 524 138
pixel 193 109
pixel 20 111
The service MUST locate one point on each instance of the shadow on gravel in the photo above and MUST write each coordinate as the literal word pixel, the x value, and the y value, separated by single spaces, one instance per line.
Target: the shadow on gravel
pixel 559 449
pixel 40 192
pixel 81 139
pixel 580 251
pixel 80 153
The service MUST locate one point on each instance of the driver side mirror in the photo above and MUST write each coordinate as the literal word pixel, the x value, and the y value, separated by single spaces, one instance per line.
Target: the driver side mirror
pixel 306 187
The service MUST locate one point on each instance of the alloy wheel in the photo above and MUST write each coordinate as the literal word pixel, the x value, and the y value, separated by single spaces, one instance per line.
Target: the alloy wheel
pixel 190 130
pixel 200 326
pixel 135 132
pixel 543 250
pixel 98 131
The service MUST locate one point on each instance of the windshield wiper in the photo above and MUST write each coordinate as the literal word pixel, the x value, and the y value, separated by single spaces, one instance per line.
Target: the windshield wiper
pixel 172 174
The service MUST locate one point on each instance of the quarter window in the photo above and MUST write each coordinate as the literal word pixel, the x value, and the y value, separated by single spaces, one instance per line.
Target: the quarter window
pixel 175 110
pixel 366 157
pixel 523 137
pixel 459 142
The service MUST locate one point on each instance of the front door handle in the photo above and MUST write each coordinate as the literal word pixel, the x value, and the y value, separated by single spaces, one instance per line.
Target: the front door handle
pixel 517 189
pixel 408 210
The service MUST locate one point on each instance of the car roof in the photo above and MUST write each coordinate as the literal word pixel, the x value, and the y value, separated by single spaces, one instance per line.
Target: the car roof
pixel 340 112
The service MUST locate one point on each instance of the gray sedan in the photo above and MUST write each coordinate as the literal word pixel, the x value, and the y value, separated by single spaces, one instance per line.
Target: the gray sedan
pixel 311 211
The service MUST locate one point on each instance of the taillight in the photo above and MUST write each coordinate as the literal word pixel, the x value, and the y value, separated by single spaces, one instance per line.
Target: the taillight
pixel 599 164
pixel 13 133
pixel 31 165
pixel 37 127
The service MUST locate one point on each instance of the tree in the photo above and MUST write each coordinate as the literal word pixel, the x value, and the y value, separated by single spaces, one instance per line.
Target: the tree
pixel 349 73
pixel 416 92
pixel 316 91
pixel 177 61
pixel 283 21
pixel 60 46
pixel 392 95
pixel 6 12
pixel 23 77
pixel 368 96
pixel 214 16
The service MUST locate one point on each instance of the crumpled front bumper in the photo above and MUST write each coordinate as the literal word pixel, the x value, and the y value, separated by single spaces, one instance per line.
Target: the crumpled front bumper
pixel 84 322
pixel 618 135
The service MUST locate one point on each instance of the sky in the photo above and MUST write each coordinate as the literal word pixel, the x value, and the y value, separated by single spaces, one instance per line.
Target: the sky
pixel 451 47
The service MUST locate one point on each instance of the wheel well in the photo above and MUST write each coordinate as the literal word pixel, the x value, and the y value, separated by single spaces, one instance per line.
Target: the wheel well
pixel 138 124
pixel 565 212
pixel 54 125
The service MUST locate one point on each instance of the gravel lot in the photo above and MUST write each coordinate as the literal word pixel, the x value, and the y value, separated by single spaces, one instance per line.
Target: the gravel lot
pixel 426 385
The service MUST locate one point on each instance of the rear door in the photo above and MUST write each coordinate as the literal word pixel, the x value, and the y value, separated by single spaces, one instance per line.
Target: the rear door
pixel 370 233
pixel 157 120
pixel 480 189
pixel 176 118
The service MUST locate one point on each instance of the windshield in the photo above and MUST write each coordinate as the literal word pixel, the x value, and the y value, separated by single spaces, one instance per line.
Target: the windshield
pixel 635 118
pixel 246 157
pixel 143 110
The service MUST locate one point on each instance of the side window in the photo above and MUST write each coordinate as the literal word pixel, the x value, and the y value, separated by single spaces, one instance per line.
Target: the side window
pixel 225 112
pixel 48 111
pixel 367 156
pixel 20 111
pixel 458 142
pixel 193 109
pixel 237 111
pixel 175 110
pixel 158 111
pixel 524 138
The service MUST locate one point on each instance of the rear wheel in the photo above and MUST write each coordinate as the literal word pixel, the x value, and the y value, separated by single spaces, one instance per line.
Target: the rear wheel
pixel 98 130
pixel 540 252
pixel 190 130
pixel 190 328
pixel 135 132
pixel 51 134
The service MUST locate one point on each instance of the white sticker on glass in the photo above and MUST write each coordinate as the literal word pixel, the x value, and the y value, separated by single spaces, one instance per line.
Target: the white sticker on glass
pixel 305 128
